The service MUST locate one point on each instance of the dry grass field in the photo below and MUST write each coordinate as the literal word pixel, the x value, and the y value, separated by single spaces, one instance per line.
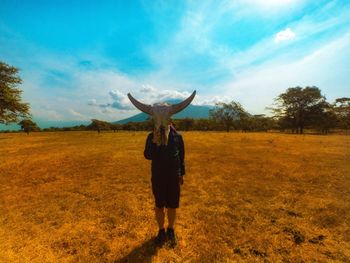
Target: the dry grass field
pixel 254 197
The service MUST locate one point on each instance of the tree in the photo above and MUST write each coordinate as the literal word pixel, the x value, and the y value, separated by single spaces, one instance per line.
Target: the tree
pixel 130 126
pixel 11 106
pixel 260 122
pixel 296 107
pixel 203 125
pixel 28 126
pixel 326 120
pixel 342 110
pixel 228 114
pixel 115 127
pixel 185 124
pixel 147 125
pixel 98 125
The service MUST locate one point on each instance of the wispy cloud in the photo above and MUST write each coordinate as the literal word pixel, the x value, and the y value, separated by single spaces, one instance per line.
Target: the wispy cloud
pixel 147 89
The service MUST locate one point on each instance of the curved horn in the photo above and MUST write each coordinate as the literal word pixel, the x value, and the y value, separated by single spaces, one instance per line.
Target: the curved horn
pixel 180 106
pixel 142 107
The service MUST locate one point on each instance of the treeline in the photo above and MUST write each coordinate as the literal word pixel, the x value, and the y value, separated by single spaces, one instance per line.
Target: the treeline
pixel 256 123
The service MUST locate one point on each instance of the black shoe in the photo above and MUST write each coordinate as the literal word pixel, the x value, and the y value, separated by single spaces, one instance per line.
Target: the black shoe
pixel 161 238
pixel 171 237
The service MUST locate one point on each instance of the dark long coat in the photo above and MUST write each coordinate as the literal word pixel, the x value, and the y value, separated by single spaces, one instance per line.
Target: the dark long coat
pixel 167 161
pixel 167 166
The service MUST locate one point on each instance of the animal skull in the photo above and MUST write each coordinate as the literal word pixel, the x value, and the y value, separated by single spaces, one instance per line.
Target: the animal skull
pixel 161 114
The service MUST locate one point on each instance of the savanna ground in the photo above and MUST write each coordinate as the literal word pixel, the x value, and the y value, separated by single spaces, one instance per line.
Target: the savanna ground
pixel 84 197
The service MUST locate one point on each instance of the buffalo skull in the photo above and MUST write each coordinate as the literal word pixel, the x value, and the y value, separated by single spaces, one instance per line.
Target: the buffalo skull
pixel 161 114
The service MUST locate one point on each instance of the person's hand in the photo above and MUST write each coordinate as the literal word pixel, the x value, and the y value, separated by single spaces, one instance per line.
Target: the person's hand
pixel 181 180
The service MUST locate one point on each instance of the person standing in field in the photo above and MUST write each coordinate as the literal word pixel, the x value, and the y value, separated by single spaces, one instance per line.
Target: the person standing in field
pixel 168 169
pixel 165 147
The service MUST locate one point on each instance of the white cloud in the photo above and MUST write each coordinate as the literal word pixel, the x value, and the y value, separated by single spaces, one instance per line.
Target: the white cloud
pixel 147 88
pixel 213 100
pixel 284 35
pixel 121 101
pixel 163 95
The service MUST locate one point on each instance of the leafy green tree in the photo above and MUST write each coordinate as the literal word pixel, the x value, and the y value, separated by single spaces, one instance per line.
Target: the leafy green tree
pixel 11 106
pixel 28 125
pixel 229 114
pixel 296 107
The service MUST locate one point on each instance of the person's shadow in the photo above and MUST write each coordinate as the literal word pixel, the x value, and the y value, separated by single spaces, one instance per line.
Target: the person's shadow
pixel 141 253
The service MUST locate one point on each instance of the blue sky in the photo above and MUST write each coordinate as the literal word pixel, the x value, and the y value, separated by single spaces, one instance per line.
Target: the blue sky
pixel 79 59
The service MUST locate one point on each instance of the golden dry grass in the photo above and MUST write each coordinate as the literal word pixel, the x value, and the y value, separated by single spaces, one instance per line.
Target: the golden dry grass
pixel 84 197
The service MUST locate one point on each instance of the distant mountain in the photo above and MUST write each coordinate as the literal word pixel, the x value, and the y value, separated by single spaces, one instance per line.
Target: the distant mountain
pixel 192 111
